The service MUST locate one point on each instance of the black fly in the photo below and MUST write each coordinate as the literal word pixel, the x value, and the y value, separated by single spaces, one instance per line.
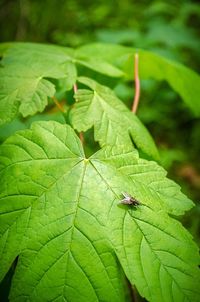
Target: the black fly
pixel 129 200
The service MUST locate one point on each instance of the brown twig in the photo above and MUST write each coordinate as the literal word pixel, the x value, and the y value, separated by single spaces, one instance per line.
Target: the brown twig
pixel 58 104
pixel 75 88
pixel 81 136
pixel 137 84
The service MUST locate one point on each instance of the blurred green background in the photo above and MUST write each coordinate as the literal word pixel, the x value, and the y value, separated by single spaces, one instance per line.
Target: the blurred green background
pixel 170 28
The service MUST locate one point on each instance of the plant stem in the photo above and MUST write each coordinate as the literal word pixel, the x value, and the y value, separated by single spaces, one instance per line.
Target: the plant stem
pixel 137 84
pixel 75 88
pixel 81 137
pixel 58 104
pixel 81 133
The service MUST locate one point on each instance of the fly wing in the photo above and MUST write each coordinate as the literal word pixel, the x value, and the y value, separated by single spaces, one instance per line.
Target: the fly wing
pixel 126 195
pixel 126 201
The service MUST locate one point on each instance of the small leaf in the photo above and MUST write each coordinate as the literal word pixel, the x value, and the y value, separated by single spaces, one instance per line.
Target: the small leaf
pixel 113 122
pixel 183 80
pixel 25 72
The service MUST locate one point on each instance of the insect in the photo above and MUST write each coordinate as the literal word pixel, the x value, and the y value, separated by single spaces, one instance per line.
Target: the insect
pixel 129 200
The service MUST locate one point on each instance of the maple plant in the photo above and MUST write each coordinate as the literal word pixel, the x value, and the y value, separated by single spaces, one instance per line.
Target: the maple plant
pixel 62 221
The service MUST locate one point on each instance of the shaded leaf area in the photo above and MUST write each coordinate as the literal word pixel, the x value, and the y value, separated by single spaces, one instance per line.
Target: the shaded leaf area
pixel 183 80
pixel 64 211
pixel 113 122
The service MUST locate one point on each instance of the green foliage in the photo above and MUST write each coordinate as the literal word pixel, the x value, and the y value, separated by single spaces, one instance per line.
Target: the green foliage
pixel 26 87
pixel 24 70
pixel 77 242
pixel 154 177
pixel 113 123
pixel 48 185
pixel 183 80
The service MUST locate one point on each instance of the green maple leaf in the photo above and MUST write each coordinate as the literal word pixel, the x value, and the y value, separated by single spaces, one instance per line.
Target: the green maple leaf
pixel 60 215
pixel 183 80
pixel 113 122
pixel 25 72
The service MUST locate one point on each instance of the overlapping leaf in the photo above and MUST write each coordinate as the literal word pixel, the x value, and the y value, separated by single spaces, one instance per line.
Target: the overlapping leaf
pixel 26 70
pixel 64 211
pixel 113 122
pixel 182 79
pixel 25 73
pixel 27 67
